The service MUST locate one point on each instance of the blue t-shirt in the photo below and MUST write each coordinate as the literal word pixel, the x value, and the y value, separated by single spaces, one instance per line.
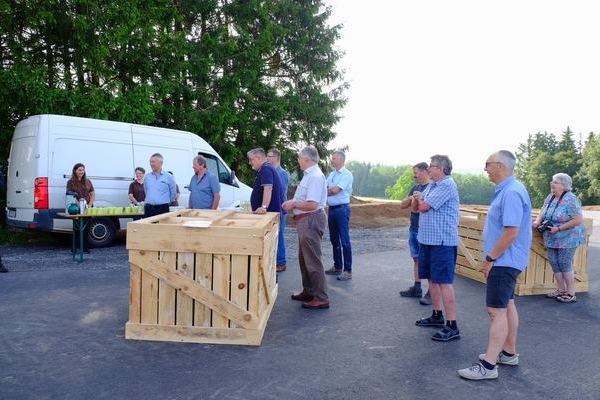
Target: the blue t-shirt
pixel 414 216
pixel 160 189
pixel 343 179
pixel 285 182
pixel 267 175
pixel 511 207
pixel 202 191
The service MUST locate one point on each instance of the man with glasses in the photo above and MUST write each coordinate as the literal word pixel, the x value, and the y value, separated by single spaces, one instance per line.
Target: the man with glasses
pixel 308 204
pixel 506 243
pixel 438 207
pixel 274 158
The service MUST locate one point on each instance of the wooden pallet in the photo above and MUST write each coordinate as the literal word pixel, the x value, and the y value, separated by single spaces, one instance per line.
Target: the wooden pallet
pixel 203 285
pixel 538 278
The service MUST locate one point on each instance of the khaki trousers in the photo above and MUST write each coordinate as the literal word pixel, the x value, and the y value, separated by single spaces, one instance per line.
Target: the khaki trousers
pixel 310 233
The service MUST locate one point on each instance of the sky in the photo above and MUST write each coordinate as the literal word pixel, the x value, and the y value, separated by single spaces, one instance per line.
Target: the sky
pixel 464 78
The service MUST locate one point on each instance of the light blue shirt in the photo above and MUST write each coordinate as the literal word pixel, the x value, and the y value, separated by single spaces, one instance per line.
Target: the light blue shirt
pixel 312 187
pixel 285 183
pixel 511 207
pixel 341 178
pixel 160 189
pixel 439 225
pixel 202 191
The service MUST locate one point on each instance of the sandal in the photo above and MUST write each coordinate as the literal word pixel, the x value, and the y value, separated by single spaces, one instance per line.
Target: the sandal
pixel 567 298
pixel 555 294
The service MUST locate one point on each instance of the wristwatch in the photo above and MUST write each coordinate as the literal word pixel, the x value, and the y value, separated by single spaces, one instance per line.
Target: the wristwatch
pixel 490 259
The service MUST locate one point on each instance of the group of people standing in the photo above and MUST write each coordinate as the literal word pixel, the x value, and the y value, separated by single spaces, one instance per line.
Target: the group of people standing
pixel 313 195
pixel 507 237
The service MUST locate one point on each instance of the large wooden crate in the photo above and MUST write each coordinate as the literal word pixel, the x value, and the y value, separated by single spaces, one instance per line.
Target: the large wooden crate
pixel 204 285
pixel 538 278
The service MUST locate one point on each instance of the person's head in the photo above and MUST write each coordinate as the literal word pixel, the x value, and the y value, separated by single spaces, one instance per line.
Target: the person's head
pixel 338 159
pixel 256 158
pixel 78 172
pixel 420 173
pixel 439 167
pixel 199 164
pixel 274 157
pixel 500 166
pixel 139 173
pixel 307 157
pixel 561 183
pixel 156 162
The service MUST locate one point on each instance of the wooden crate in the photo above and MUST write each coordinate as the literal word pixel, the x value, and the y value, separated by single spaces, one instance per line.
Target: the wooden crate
pixel 538 278
pixel 203 285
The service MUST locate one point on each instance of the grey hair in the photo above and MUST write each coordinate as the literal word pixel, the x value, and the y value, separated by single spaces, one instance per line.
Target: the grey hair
pixel 341 154
pixel 258 150
pixel 443 162
pixel 157 155
pixel 507 159
pixel 276 153
pixel 563 179
pixel 200 160
pixel 311 153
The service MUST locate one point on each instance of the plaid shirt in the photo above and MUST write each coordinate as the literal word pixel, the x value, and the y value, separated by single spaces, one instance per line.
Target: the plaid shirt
pixel 439 225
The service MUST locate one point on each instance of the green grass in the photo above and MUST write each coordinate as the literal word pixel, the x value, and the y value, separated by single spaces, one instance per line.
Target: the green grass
pixel 19 238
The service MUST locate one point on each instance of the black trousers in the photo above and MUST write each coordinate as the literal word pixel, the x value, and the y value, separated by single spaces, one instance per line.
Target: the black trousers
pixel 151 210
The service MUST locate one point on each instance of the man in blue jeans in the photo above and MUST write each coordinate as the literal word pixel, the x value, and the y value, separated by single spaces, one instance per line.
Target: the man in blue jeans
pixel 506 244
pixel 274 158
pixel 339 190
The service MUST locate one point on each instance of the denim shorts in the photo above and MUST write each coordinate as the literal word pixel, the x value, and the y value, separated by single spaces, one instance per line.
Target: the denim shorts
pixel 561 260
pixel 501 284
pixel 437 263
pixel 413 243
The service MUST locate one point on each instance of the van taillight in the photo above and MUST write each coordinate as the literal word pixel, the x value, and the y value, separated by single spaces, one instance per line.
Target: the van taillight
pixel 40 193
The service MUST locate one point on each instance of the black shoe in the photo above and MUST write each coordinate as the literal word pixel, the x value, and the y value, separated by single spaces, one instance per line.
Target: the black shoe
pixel 446 334
pixel 411 292
pixel 431 321
pixel 3 268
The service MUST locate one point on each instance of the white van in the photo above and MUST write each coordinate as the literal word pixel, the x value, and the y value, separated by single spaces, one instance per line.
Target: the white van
pixel 44 149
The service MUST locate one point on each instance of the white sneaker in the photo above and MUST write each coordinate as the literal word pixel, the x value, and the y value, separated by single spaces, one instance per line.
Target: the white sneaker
pixel 477 372
pixel 502 359
pixel 344 276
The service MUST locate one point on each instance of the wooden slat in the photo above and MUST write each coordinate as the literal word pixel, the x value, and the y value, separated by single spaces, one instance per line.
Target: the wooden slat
pixel 239 281
pixel 467 254
pixel 194 334
pixel 185 304
pixel 221 281
pixel 149 298
pixel 193 289
pixel 135 287
pixel 166 293
pixel 202 314
pixel 254 284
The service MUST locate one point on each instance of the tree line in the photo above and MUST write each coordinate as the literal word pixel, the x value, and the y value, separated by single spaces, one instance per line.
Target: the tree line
pixel 241 74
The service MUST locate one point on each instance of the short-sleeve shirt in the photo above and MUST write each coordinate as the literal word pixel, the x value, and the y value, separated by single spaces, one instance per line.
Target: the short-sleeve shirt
pixel 510 207
pixel 414 216
pixel 312 187
pixel 202 191
pixel 266 176
pixel 341 178
pixel 439 225
pixel 160 189
pixel 566 209
pixel 137 190
pixel 82 188
pixel 284 176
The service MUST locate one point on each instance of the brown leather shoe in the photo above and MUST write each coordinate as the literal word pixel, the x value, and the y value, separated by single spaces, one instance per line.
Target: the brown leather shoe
pixel 281 268
pixel 302 296
pixel 316 304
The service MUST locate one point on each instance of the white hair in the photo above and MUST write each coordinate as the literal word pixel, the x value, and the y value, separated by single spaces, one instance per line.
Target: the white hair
pixel 507 159
pixel 563 179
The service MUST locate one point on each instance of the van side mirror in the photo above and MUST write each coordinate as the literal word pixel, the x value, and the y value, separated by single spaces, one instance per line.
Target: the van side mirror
pixel 233 179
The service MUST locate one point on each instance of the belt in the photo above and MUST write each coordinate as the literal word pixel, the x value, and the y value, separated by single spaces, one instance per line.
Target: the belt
pixel 304 215
pixel 339 205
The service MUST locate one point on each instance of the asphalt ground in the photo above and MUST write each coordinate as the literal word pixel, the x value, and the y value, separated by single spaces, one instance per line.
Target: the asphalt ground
pixel 62 337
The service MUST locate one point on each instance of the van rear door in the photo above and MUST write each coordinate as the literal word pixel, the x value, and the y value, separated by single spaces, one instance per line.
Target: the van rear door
pixel 22 171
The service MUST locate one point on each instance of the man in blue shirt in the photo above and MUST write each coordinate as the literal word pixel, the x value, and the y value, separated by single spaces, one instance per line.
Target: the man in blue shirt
pixel 266 190
pixel 160 188
pixel 274 158
pixel 438 207
pixel 339 190
pixel 205 189
pixel 506 243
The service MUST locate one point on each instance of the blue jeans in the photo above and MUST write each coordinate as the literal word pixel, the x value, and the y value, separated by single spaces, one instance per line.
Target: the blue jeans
pixel 281 260
pixel 339 234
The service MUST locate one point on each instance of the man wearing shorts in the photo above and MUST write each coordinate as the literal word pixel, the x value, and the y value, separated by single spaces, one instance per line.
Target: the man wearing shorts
pixel 438 207
pixel 506 244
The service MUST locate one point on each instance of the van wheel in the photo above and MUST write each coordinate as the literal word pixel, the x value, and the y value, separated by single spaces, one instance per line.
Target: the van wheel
pixel 100 232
